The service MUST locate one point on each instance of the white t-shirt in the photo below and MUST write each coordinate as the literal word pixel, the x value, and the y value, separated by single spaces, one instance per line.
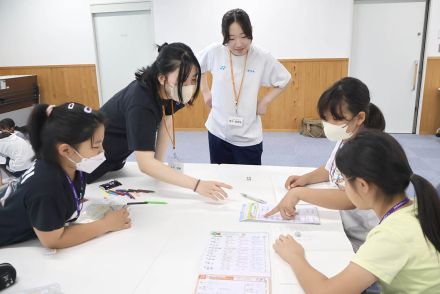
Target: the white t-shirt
pixel 262 69
pixel 357 223
pixel 18 150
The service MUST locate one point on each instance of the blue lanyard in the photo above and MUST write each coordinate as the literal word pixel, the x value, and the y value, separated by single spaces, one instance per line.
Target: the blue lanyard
pixel 395 207
pixel 77 198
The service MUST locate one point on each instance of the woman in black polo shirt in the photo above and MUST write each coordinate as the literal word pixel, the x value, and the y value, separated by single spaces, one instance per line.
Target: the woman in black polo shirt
pixel 140 119
pixel 67 141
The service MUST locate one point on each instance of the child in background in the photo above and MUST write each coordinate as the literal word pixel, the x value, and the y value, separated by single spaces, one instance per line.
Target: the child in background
pixel 16 154
pixel 8 125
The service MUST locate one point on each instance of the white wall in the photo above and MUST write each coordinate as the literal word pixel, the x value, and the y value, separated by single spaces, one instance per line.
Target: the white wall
pixel 286 28
pixel 433 36
pixel 19 116
pixel 46 32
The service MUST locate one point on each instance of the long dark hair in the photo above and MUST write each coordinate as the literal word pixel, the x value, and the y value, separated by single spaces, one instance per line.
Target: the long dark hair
pixel 239 16
pixel 379 159
pixel 171 57
pixel 355 94
pixel 71 123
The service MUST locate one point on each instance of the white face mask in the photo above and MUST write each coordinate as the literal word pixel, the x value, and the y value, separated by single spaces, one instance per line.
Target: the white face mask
pixel 88 165
pixel 187 93
pixel 336 132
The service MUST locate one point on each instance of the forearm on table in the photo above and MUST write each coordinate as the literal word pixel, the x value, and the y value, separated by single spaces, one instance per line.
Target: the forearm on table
pixel 327 198
pixel 311 280
pixel 71 235
pixel 318 175
pixel 164 173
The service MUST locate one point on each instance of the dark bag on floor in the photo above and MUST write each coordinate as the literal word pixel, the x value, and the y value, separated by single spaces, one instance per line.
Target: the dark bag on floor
pixel 312 127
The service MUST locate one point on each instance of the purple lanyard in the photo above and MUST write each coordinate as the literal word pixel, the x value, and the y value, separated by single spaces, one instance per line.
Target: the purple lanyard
pixel 395 207
pixel 77 198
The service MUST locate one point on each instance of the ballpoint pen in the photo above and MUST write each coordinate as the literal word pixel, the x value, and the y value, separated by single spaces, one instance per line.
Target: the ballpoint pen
pixel 253 198
pixel 134 190
pixel 147 202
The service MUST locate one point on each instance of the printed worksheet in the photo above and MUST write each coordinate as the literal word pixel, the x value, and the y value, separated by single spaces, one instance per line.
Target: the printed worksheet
pixel 209 284
pixel 237 254
pixel 95 211
pixel 305 214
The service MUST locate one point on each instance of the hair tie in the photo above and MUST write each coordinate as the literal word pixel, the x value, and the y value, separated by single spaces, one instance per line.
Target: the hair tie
pixel 49 110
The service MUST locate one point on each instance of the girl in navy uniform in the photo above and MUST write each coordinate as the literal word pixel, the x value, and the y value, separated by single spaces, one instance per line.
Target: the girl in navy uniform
pixel 67 141
pixel 140 120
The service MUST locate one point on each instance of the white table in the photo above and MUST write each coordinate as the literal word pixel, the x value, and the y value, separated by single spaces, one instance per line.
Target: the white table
pixel 163 250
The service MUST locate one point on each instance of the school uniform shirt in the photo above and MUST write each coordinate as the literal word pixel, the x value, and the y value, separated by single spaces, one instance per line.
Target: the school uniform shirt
pixel 43 200
pixel 261 70
pixel 133 117
pixel 357 223
pixel 399 255
pixel 19 152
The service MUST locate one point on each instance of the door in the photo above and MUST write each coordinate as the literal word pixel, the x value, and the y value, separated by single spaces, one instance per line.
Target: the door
pixel 125 43
pixel 386 46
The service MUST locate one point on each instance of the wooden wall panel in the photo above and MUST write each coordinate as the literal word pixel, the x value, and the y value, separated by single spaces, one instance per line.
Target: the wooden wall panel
pixel 430 116
pixel 311 77
pixel 62 83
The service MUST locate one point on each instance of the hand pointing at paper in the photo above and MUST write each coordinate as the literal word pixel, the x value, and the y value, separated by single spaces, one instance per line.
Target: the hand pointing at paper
pixel 286 207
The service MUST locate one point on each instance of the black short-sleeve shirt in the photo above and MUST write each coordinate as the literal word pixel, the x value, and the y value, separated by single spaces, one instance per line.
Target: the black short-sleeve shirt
pixel 133 117
pixel 43 200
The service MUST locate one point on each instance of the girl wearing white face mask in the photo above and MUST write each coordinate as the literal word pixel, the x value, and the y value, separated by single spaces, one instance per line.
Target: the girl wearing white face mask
pixel 140 120
pixel 67 141
pixel 345 108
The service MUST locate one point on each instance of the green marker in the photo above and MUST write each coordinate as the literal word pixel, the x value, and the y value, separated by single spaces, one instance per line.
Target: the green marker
pixel 147 202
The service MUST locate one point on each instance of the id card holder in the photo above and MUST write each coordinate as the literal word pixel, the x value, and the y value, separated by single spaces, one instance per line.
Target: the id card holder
pixel 236 121
pixel 175 163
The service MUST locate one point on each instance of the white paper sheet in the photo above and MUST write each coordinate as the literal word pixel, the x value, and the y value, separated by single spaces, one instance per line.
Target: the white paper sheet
pixel 305 214
pixel 208 284
pixel 237 254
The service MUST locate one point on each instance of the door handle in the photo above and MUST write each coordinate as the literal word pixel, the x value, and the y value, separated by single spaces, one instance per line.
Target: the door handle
pixel 416 68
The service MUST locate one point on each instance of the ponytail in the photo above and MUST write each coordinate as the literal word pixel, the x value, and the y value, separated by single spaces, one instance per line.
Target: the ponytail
pixel 428 209
pixel 36 121
pixel 378 158
pixel 69 123
pixel 375 119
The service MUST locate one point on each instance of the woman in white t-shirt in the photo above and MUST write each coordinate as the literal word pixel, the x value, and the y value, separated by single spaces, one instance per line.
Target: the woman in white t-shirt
pixel 238 70
pixel 344 108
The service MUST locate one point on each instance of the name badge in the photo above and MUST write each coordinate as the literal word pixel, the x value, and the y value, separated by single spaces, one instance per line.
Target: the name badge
pixel 175 163
pixel 236 121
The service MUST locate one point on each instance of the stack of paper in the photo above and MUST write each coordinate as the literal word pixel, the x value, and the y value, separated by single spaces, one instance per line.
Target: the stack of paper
pixel 235 262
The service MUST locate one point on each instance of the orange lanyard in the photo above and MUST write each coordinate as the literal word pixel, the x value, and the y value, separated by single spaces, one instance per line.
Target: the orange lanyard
pixel 173 138
pixel 237 97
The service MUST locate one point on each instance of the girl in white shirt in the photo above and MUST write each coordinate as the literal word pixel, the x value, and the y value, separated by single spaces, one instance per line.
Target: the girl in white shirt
pixel 238 70
pixel 345 109
pixel 16 154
